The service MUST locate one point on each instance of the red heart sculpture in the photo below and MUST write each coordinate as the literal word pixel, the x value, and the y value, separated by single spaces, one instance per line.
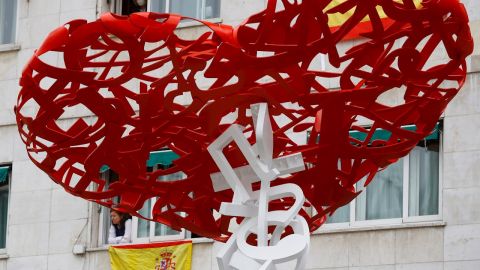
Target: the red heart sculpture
pixel 149 89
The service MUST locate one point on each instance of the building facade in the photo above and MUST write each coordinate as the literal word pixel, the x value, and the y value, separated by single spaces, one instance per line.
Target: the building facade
pixel 429 217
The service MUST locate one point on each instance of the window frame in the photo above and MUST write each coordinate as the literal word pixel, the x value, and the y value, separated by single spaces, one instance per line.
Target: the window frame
pixel 152 238
pixel 104 215
pixel 405 219
pixel 426 218
pixel 7 187
pixel 103 227
pixel 116 7
pixel 167 8
pixel 151 234
pixel 351 224
pixel 13 45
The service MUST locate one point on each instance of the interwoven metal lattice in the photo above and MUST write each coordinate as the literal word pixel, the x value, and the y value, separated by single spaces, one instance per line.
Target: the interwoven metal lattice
pixel 150 89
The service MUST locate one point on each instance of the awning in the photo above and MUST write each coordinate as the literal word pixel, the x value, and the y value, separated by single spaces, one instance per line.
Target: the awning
pixel 381 134
pixel 104 168
pixel 164 157
pixel 4 175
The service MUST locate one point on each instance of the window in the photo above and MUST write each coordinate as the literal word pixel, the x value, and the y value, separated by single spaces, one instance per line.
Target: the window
pixel 144 231
pixel 199 9
pixel 110 177
pixel 148 231
pixel 8 17
pixel 126 7
pixel 4 190
pixel 406 191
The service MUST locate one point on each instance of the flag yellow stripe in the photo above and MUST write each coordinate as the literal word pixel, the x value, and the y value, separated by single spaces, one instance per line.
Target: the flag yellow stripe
pixel 338 19
pixel 124 258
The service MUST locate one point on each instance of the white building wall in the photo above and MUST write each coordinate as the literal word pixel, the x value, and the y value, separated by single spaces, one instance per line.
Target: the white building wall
pixel 45 222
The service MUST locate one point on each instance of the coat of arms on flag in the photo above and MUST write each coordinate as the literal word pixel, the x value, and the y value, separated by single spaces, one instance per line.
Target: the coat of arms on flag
pixel 166 261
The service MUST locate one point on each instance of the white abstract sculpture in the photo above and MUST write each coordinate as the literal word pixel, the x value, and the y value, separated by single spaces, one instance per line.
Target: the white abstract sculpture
pixel 271 249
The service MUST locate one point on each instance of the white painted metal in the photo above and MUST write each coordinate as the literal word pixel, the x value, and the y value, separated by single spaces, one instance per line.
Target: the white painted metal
pixel 253 205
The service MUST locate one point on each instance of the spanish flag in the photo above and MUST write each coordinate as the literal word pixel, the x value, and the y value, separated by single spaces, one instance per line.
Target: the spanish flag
pixel 338 15
pixel 159 256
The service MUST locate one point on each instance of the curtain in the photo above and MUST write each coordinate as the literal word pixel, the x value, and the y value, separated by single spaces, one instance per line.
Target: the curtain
pixel 110 177
pixel 3 216
pixel 161 229
pixel 423 180
pixel 8 12
pixel 143 228
pixel 342 214
pixel 383 197
pixel 212 9
pixel 160 160
pixel 189 8
pixel 158 6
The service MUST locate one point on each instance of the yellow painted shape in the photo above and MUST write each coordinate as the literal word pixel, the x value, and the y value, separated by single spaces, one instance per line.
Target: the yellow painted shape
pixel 338 19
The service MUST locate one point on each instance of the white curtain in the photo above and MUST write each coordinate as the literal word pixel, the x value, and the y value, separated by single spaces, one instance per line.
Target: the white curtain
pixel 8 14
pixel 110 177
pixel 3 216
pixel 423 181
pixel 189 8
pixel 212 9
pixel 143 228
pixel 161 229
pixel 383 197
pixel 342 214
pixel 158 6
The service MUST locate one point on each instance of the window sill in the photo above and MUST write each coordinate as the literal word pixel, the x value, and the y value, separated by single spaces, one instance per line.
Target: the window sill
pixel 97 249
pixel 321 231
pixel 380 227
pixel 200 240
pixel 181 26
pixel 9 47
pixel 190 24
pixel 4 256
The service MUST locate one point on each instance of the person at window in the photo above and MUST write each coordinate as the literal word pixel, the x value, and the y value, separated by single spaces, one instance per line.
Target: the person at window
pixel 131 6
pixel 121 228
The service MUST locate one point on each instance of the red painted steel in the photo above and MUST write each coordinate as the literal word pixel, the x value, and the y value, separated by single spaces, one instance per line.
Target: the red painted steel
pixel 131 72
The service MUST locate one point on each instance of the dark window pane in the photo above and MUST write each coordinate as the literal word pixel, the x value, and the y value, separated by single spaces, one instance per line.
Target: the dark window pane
pixel 132 6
